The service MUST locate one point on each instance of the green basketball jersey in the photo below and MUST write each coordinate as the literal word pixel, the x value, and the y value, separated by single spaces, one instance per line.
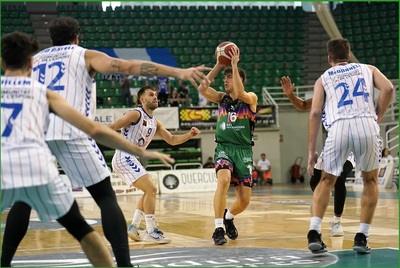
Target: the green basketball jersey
pixel 235 125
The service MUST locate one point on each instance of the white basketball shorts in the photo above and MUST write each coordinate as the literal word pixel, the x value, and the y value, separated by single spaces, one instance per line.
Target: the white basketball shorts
pixel 81 160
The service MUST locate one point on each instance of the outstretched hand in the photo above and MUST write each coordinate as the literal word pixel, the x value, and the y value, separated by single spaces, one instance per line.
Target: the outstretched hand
pixel 194 74
pixel 165 158
pixel 287 85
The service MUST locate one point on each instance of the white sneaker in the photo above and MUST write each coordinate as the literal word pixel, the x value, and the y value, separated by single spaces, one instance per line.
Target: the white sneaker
pixel 133 233
pixel 156 236
pixel 336 228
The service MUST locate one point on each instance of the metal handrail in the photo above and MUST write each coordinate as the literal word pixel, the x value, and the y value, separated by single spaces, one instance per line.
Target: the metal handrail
pixel 160 165
pixel 388 141
pixel 188 164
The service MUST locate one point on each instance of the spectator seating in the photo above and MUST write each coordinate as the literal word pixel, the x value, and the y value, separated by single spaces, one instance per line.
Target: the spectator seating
pixel 264 35
pixel 372 29
pixel 15 18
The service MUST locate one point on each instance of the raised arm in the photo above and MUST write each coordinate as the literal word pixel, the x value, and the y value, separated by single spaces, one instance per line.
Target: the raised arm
pixel 101 133
pixel 208 92
pixel 97 61
pixel 164 134
pixel 238 88
pixel 288 89
pixel 386 91
pixel 129 117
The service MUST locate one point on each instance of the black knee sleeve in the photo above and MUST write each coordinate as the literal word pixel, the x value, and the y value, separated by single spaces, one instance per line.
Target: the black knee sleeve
pixel 315 179
pixel 16 226
pixel 114 225
pixel 340 188
pixel 74 222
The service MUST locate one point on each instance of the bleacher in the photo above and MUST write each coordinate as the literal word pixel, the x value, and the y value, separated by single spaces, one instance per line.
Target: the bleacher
pixel 271 38
pixel 373 31
pixel 15 18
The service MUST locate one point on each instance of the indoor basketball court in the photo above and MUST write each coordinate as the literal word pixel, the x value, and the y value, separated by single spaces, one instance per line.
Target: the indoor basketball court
pixel 272 232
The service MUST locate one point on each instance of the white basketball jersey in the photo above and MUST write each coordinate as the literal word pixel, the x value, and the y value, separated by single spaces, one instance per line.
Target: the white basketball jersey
pixel 142 132
pixel 348 93
pixel 63 69
pixel 25 156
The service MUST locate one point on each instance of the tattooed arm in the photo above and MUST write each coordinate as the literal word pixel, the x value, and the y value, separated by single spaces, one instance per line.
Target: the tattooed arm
pixel 100 62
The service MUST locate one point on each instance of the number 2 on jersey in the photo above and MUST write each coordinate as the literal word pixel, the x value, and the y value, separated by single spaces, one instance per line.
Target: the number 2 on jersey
pixel 359 90
pixel 16 109
pixel 42 73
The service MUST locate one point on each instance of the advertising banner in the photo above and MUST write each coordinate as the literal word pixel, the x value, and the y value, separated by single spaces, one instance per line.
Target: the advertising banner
pixel 206 117
pixel 187 181
pixel 168 116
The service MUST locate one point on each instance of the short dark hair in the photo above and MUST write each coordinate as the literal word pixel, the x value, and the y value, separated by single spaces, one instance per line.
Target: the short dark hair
pixel 17 49
pixel 63 31
pixel 338 49
pixel 142 90
pixel 242 73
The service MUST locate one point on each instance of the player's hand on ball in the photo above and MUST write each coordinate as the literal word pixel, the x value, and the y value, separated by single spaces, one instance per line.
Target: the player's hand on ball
pixel 165 158
pixel 235 54
pixel 194 131
pixel 194 74
pixel 287 85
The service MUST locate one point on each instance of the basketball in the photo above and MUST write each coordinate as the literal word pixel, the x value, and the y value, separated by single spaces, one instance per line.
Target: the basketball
pixel 222 52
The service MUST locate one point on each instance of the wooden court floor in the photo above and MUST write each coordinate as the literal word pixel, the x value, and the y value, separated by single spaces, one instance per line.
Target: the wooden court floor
pixel 277 217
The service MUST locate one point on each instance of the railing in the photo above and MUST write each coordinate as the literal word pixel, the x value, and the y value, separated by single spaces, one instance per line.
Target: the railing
pixel 188 164
pixel 159 165
pixel 305 92
pixel 392 143
pixel 275 96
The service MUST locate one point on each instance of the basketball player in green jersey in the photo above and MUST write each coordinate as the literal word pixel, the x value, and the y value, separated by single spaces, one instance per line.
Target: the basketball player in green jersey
pixel 234 138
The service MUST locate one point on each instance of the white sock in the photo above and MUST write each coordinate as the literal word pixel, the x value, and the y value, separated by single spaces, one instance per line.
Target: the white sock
pixel 219 223
pixel 229 215
pixel 137 218
pixel 335 218
pixel 315 224
pixel 150 222
pixel 364 228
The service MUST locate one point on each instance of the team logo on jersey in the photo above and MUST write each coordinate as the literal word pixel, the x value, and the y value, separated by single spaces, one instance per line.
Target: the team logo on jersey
pixel 171 181
pixel 223 126
pixel 144 122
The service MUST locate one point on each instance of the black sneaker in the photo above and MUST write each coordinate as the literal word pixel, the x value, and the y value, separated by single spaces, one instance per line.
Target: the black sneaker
pixel 315 243
pixel 361 244
pixel 219 236
pixel 230 228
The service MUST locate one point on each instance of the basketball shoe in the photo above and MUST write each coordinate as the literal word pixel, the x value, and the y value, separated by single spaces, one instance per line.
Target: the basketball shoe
pixel 315 243
pixel 230 228
pixel 361 244
pixel 156 236
pixel 336 228
pixel 133 233
pixel 219 236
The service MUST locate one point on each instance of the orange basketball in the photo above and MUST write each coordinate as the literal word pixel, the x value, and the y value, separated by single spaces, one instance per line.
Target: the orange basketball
pixel 222 52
